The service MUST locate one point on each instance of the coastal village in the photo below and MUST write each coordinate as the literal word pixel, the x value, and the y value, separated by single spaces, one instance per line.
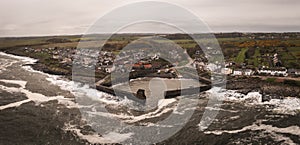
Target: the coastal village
pixel 264 55
pixel 105 62
pixel 257 58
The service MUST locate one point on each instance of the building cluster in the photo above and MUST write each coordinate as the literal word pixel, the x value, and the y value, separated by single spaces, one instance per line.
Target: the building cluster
pixel 275 68
pixel 131 60
pixel 64 55
pixel 242 69
pixel 263 71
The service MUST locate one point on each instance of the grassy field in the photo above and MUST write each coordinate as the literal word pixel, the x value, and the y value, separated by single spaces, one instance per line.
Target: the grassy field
pixel 241 56
pixel 295 51
pixel 256 57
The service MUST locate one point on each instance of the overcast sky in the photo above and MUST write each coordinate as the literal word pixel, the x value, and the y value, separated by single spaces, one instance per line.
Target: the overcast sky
pixel 55 17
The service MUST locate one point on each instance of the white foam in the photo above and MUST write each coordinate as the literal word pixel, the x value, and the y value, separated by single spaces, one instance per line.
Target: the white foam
pixel 132 119
pixel 232 95
pixel 162 109
pixel 165 102
pixel 75 88
pixel 35 97
pixel 17 82
pixel 287 105
pixel 117 137
pixel 27 60
pixel 4 63
pixel 295 130
pixel 79 90
pixel 95 138
pixel 15 104
pixel 220 109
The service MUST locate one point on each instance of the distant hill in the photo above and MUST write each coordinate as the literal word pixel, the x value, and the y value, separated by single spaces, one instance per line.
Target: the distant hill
pixel 58 40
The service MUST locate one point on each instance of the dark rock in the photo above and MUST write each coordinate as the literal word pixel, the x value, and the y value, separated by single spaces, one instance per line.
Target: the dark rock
pixel 141 94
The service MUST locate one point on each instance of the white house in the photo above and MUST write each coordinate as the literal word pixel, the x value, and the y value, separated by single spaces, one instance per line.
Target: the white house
pixel 198 64
pixel 294 72
pixel 238 72
pixel 248 72
pixel 55 56
pixel 226 71
pixel 109 68
pixel 274 71
pixel 211 67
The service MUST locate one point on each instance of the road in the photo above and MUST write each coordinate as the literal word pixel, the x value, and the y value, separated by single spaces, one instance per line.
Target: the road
pixel 283 78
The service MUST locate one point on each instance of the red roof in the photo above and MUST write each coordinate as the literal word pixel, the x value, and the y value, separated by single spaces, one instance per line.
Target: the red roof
pixel 147 66
pixel 137 65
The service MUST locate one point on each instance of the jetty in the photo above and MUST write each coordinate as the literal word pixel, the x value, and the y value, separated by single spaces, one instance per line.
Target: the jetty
pixel 140 96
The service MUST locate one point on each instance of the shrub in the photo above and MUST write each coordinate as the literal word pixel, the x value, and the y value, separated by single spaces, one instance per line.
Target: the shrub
pixel 292 82
pixel 270 80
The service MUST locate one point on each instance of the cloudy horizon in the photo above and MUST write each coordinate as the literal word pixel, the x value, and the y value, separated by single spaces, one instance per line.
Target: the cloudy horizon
pixel 67 17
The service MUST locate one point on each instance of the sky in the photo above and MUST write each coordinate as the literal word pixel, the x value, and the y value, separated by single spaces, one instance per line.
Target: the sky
pixel 67 17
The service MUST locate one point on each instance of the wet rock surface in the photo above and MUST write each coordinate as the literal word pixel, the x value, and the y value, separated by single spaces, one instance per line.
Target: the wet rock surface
pixel 31 124
pixel 246 85
pixel 7 98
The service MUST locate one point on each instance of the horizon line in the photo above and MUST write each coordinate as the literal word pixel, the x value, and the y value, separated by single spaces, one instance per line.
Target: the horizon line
pixel 145 33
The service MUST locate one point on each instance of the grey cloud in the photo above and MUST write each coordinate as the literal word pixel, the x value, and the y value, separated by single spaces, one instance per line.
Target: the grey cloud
pixel 48 17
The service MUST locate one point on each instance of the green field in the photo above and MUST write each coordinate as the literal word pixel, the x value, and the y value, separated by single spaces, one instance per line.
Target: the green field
pixel 241 56
pixel 295 51
pixel 256 57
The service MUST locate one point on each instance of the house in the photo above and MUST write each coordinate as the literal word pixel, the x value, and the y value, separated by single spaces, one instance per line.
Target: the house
pixel 147 66
pixel 248 72
pixel 141 65
pixel 155 57
pixel 294 72
pixel 137 65
pixel 226 71
pixel 67 60
pixel 167 70
pixel 229 64
pixel 238 72
pixel 198 64
pixel 274 71
pixel 55 56
pixel 109 69
pixel 211 67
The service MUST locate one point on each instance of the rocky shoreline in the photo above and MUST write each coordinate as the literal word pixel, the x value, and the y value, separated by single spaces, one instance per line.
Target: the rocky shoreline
pixel 244 85
pixel 269 90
